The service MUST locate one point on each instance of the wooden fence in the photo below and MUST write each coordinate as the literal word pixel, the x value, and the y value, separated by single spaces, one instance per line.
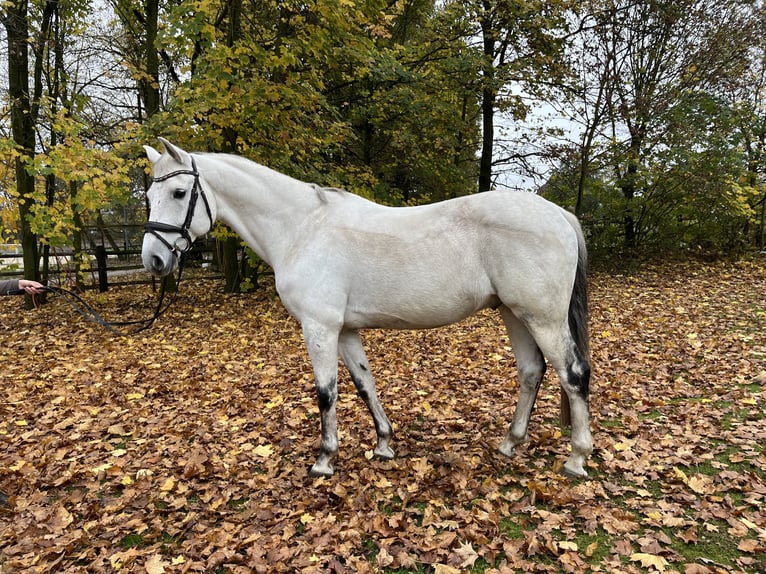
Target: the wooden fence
pixel 105 267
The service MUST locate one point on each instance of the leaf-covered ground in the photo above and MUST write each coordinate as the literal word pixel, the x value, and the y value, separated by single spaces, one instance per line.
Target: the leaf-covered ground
pixel 187 448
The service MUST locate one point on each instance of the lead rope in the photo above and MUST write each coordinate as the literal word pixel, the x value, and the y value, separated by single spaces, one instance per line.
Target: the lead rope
pixel 87 311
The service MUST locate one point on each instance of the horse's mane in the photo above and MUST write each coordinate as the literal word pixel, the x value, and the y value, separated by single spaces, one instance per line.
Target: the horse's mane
pixel 322 191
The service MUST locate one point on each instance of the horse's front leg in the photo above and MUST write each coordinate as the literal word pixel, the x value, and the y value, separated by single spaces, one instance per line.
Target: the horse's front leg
pixel 352 353
pixel 322 344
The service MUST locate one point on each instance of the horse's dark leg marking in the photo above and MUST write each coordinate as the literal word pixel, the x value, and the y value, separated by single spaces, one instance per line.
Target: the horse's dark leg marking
pixel 576 384
pixel 354 358
pixel 578 374
pixel 326 396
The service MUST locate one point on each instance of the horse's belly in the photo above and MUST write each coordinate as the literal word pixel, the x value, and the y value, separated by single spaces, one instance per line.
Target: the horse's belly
pixel 412 311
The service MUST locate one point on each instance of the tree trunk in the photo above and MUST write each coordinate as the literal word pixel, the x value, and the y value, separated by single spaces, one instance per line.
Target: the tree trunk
pixel 22 126
pixel 629 187
pixel 231 266
pixel 488 96
pixel 487 139
pixel 150 87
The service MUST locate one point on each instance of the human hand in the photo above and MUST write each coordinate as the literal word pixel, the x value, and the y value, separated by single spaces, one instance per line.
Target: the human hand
pixel 31 287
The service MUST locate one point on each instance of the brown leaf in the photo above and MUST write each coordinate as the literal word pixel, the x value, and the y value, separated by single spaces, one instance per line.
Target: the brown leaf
pixel 155 565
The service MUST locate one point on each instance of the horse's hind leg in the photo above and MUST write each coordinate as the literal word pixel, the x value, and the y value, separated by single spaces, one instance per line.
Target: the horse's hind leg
pixel 354 358
pixel 531 367
pixel 574 375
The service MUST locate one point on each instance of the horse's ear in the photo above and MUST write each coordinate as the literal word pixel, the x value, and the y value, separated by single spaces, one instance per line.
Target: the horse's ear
pixel 152 153
pixel 175 152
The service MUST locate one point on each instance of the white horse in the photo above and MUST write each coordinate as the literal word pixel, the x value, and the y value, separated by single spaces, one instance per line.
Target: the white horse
pixel 343 263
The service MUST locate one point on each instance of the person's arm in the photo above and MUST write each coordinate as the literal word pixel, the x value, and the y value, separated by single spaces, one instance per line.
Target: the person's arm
pixel 8 286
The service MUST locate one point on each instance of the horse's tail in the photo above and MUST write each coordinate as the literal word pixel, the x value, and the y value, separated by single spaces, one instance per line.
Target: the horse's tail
pixel 578 304
pixel 578 310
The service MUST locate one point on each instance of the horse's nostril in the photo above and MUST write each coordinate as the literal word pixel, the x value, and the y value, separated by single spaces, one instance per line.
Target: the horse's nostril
pixel 157 263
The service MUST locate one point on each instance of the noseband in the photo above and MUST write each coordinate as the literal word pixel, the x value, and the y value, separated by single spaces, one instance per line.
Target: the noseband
pixel 155 227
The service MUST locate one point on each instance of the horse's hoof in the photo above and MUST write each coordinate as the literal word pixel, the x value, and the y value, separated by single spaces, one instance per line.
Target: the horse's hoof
pixel 507 449
pixel 574 471
pixel 321 471
pixel 384 453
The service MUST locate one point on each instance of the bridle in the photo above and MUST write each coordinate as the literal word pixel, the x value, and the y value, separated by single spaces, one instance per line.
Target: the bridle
pixel 183 243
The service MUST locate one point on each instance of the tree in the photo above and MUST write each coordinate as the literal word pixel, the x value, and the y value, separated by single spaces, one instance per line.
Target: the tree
pixel 521 44
pixel 410 99
pixel 58 134
pixel 653 118
pixel 23 108
pixel 745 94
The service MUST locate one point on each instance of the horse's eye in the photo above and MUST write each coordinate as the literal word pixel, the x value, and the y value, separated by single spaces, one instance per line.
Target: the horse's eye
pixel 179 193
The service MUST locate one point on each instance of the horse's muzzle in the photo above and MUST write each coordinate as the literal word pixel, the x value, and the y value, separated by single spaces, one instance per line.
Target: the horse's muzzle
pixel 156 258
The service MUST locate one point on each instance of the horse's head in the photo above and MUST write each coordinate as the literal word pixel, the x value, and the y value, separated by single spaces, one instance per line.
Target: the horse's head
pixel 176 216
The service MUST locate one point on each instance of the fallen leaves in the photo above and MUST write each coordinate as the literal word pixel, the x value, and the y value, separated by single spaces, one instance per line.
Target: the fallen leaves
pixel 187 448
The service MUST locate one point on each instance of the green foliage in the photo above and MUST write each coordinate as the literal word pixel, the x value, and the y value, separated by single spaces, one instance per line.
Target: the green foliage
pixel 355 95
pixel 90 177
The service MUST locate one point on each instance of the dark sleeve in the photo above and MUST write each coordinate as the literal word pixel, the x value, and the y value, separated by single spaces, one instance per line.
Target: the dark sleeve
pixel 8 286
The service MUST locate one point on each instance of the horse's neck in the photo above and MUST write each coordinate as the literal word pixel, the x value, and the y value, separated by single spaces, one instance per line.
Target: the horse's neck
pixel 263 207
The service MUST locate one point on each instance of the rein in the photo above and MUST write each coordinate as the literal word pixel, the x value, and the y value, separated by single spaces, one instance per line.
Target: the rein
pixel 86 310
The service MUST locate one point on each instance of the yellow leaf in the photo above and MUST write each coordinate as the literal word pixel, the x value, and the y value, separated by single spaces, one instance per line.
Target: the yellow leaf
pixel 134 396
pixel 383 483
pixel 306 518
pixel 264 450
pixel 178 560
pixel 20 423
pixel 144 473
pixel 568 545
pixel 126 481
pixel 680 475
pixel 647 560
pixel 101 468
pixel 168 485
pixel 275 402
